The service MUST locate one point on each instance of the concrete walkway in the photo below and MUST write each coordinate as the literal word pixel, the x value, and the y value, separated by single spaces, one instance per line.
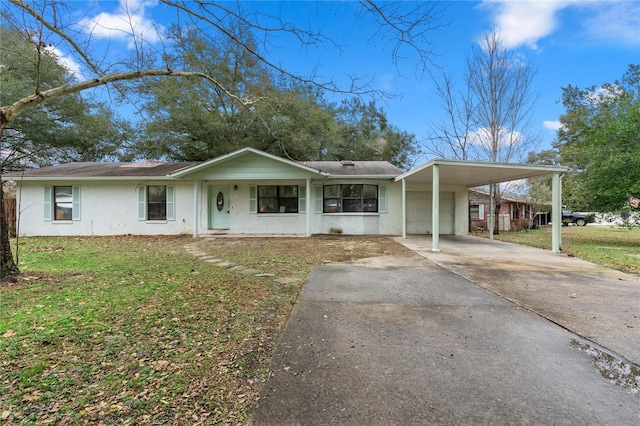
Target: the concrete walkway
pixel 402 340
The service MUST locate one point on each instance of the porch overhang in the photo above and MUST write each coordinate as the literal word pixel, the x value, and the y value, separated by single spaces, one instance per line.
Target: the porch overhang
pixel 439 172
pixel 476 173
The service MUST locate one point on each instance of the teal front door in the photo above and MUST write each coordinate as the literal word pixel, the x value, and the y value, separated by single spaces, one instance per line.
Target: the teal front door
pixel 219 207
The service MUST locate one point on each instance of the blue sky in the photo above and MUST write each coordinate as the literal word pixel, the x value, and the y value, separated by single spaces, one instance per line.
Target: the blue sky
pixel 582 43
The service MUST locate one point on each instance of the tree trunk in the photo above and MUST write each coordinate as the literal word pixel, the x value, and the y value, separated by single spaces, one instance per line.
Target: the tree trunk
pixel 8 269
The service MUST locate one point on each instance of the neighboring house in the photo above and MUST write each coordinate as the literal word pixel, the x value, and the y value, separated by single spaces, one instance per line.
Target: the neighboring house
pixel 516 211
pixel 252 192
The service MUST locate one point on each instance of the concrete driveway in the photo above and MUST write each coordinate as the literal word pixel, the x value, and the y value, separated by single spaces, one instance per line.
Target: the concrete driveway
pixel 597 303
pixel 402 340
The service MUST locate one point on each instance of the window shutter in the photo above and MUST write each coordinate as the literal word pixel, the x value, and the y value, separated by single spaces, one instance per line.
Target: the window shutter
pixel 382 199
pixel 171 202
pixel 302 199
pixel 318 198
pixel 253 199
pixel 480 211
pixel 75 211
pixel 47 203
pixel 142 202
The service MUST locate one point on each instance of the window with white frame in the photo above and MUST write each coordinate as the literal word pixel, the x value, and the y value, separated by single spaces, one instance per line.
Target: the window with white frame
pixel 278 199
pixel 476 212
pixel 62 203
pixel 350 198
pixel 156 202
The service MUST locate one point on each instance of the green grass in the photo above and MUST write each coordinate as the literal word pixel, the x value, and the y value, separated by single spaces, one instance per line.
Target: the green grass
pixel 613 247
pixel 135 330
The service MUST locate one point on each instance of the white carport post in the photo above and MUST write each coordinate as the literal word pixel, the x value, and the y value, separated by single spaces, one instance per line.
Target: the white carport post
pixel 435 209
pixel 556 212
pixel 404 209
pixel 196 196
pixel 492 209
pixel 307 203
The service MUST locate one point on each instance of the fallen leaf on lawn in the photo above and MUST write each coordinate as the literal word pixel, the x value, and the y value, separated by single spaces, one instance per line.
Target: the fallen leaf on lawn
pixel 159 365
pixel 9 333
pixel 33 397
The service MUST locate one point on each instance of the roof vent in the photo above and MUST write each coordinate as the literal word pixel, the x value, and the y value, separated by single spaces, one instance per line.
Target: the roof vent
pixel 347 163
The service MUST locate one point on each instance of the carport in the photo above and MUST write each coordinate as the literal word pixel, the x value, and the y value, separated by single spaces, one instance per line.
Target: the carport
pixel 437 173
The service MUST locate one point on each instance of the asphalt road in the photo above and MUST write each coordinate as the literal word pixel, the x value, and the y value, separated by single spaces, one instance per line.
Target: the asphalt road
pixel 402 341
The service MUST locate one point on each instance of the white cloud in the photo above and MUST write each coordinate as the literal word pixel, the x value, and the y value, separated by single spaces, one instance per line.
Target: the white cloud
pixel 483 137
pixel 127 23
pixel 387 82
pixel 71 65
pixel 552 124
pixel 526 22
pixel 615 21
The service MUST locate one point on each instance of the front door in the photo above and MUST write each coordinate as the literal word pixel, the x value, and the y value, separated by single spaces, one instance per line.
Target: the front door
pixel 219 207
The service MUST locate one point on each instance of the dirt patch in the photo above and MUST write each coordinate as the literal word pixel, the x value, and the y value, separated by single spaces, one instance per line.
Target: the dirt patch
pixel 293 257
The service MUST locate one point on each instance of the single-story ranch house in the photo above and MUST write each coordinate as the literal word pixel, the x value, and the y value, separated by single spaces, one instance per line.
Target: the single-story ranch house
pixel 252 192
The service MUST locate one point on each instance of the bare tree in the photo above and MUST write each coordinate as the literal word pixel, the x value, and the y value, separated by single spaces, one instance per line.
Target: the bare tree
pixel 502 86
pixel 62 26
pixel 492 120
pixel 452 136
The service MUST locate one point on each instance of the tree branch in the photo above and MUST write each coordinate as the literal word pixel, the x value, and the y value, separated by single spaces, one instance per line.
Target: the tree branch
pixel 10 112
pixel 56 30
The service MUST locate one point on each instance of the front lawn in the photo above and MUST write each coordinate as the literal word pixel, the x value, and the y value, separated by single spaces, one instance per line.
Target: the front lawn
pixel 615 248
pixel 138 330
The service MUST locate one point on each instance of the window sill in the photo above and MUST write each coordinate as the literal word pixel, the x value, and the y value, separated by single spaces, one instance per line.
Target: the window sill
pixel 352 214
pixel 155 222
pixel 62 222
pixel 278 214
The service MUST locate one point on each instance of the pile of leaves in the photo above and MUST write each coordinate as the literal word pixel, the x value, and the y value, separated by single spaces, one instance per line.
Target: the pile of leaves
pixel 137 330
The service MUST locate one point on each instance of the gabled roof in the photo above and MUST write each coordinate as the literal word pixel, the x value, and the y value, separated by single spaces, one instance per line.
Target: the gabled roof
pixel 90 170
pixel 238 154
pixel 361 169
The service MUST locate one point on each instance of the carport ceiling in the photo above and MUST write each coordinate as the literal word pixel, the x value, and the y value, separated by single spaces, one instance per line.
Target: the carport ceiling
pixel 476 173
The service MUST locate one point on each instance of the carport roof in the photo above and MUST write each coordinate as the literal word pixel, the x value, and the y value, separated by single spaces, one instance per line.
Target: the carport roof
pixel 476 173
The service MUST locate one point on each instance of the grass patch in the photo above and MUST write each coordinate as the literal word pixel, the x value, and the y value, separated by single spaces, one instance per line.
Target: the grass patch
pixel 615 248
pixel 136 330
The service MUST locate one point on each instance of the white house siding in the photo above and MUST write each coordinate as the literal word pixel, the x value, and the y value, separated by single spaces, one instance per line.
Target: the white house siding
pixel 106 208
pixel 110 207
pixel 382 223
pixel 243 221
